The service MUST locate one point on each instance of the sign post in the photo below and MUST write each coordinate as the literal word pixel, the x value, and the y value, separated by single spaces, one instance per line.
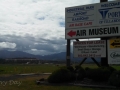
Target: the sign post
pixel 68 53
pixel 100 20
pixel 104 61
pixel 103 0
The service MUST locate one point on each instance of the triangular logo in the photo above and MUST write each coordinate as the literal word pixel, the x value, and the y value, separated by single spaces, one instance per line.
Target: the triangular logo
pixel 103 12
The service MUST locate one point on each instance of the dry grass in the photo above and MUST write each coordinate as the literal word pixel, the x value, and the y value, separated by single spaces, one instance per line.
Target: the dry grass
pixel 29 83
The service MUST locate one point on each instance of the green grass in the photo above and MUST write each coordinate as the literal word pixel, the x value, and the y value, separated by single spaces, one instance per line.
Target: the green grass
pixel 89 65
pixel 18 69
pixel 41 68
pixel 117 67
pixel 28 83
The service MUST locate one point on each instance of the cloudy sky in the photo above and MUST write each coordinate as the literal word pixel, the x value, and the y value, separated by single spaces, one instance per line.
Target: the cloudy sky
pixel 35 26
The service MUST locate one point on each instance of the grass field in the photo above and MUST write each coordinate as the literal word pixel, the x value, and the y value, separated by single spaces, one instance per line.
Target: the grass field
pixel 18 69
pixel 41 68
pixel 28 82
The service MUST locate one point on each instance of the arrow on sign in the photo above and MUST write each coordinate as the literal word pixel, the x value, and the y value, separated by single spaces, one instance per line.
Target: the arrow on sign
pixel 115 44
pixel 72 33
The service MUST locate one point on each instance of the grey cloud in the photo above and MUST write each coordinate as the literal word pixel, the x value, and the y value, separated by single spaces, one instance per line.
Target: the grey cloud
pixel 54 41
pixel 28 42
pixel 22 43
pixel 35 24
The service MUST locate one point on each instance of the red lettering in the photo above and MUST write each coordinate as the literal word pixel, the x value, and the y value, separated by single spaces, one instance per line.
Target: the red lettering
pixel 87 23
pixel 79 24
pixel 90 42
pixel 99 42
pixel 71 25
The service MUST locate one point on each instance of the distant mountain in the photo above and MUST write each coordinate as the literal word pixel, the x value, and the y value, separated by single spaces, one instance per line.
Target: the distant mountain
pixel 56 56
pixel 15 54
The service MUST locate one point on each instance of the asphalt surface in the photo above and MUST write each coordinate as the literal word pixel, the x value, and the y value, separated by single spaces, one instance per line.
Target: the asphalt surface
pixel 13 77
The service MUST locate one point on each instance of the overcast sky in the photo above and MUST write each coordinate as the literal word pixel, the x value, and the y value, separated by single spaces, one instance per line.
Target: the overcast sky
pixel 35 26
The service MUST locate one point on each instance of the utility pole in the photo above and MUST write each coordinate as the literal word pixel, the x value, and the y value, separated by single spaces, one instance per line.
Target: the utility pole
pixel 104 61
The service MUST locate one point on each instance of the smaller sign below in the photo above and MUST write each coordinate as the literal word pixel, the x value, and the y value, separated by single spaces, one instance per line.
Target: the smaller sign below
pixel 114 43
pixel 114 57
pixel 89 48
pixel 114 51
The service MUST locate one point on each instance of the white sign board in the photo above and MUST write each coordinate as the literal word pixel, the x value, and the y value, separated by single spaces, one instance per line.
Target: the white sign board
pixel 89 48
pixel 93 32
pixel 114 51
pixel 80 16
pixel 108 13
pixel 94 16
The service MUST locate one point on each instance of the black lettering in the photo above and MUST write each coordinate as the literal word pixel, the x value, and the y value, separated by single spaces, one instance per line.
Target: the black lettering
pixel 109 31
pixel 91 31
pixel 100 31
pixel 96 31
pixel 81 33
pixel 114 29
pixel 105 30
pixel 84 32
pixel 78 34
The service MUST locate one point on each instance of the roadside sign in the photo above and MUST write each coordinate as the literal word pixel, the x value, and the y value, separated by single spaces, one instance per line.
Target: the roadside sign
pixel 95 48
pixel 114 51
pixel 99 19
pixel 114 43
pixel 108 13
pixel 93 32
pixel 80 16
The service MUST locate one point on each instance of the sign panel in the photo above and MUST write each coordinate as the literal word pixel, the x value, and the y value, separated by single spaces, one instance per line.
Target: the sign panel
pixel 114 51
pixel 97 17
pixel 114 43
pixel 108 13
pixel 89 48
pixel 94 32
pixel 80 16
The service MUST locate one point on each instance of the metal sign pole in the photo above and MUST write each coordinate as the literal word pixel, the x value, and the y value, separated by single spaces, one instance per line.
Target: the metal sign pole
pixel 103 0
pixel 104 61
pixel 68 53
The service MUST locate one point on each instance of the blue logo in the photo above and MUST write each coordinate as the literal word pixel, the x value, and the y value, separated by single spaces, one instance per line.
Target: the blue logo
pixel 104 12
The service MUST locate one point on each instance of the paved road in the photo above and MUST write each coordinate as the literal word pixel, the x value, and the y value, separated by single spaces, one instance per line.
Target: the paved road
pixel 13 77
